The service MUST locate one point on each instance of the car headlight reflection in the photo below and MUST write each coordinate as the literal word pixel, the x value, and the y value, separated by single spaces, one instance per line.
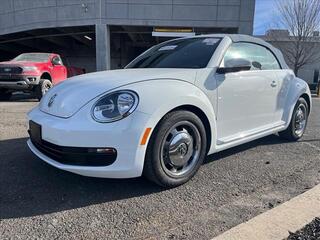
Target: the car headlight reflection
pixel 115 106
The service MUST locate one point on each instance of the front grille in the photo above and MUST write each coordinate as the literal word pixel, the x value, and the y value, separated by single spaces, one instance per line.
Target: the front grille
pixel 10 69
pixel 79 156
pixel 8 79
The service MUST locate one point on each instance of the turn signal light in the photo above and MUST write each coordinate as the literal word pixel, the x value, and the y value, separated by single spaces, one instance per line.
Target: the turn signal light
pixel 145 136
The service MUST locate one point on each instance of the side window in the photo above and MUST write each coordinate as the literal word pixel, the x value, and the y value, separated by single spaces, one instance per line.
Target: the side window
pixel 58 59
pixel 253 53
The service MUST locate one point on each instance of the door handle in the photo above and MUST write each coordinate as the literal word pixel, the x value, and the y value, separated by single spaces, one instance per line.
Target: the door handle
pixel 273 84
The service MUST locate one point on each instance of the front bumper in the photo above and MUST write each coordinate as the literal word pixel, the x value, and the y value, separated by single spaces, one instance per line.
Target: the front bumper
pixel 18 81
pixel 81 131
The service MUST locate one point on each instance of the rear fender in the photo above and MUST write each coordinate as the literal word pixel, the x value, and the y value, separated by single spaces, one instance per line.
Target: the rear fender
pixel 298 87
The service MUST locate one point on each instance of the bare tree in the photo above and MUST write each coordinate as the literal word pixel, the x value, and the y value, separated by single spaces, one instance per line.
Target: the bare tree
pixel 302 19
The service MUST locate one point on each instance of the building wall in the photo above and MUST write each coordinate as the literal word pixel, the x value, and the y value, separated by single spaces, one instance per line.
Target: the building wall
pixel 282 40
pixel 307 71
pixel 21 15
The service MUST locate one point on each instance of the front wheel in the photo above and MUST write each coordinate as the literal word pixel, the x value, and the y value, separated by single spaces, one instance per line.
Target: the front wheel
pixel 176 149
pixel 298 122
pixel 43 87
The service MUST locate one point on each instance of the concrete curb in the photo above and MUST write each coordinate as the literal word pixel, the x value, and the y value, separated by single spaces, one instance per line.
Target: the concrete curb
pixel 276 223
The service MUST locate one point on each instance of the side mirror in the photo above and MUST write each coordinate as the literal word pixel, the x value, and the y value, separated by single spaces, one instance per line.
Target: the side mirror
pixel 257 65
pixel 235 65
pixel 56 61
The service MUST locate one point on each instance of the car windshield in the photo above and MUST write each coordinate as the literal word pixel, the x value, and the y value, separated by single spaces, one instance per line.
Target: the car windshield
pixel 33 57
pixel 180 53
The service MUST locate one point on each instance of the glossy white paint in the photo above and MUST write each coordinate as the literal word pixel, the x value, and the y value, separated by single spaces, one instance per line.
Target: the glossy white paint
pixel 77 91
pixel 239 107
pixel 246 101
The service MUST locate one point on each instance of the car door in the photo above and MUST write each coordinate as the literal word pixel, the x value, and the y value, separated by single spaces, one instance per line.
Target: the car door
pixel 246 99
pixel 58 71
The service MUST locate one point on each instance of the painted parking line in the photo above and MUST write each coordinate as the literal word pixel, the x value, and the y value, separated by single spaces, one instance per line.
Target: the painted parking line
pixel 276 223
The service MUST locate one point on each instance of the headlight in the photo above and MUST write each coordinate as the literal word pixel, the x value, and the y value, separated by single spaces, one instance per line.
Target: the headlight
pixel 30 69
pixel 115 106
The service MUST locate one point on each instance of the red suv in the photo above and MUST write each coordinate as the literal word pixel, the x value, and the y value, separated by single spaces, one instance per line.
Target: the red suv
pixel 33 72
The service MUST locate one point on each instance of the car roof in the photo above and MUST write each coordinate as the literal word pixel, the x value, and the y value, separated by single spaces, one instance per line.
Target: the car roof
pixel 37 53
pixel 239 38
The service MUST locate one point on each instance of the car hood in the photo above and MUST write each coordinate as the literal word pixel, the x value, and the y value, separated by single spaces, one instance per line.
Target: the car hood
pixel 67 97
pixel 20 63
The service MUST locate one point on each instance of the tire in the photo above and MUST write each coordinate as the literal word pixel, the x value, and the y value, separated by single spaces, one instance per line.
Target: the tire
pixel 5 95
pixel 184 133
pixel 43 88
pixel 298 121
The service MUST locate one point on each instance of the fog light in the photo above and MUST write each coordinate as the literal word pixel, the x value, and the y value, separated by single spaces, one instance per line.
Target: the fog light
pixel 103 150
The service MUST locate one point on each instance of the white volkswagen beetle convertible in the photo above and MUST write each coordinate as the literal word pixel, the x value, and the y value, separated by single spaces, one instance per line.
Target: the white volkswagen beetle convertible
pixel 169 108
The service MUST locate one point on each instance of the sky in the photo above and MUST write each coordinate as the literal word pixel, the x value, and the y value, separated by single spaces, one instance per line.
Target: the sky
pixel 265 16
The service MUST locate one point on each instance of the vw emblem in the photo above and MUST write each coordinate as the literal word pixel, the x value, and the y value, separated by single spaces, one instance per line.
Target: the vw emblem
pixel 183 149
pixel 51 100
pixel 7 69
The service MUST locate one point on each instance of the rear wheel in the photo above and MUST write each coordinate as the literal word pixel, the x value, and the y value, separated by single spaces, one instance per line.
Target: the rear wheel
pixel 43 87
pixel 5 95
pixel 298 122
pixel 176 149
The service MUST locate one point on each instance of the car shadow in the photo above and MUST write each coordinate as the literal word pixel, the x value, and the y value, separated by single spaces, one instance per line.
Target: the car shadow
pixel 30 187
pixel 21 97
pixel 269 140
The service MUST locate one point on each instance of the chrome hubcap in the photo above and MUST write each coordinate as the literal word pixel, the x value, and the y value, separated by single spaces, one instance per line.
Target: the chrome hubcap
pixel 300 120
pixel 180 149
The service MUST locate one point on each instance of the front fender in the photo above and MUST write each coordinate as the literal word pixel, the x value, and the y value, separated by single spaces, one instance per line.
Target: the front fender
pixel 158 97
pixel 297 88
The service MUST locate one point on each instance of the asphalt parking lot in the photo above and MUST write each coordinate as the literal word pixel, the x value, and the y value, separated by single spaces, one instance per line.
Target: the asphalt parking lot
pixel 38 201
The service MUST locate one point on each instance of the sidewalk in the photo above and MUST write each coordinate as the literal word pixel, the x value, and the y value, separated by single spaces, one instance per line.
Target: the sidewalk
pixel 276 223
